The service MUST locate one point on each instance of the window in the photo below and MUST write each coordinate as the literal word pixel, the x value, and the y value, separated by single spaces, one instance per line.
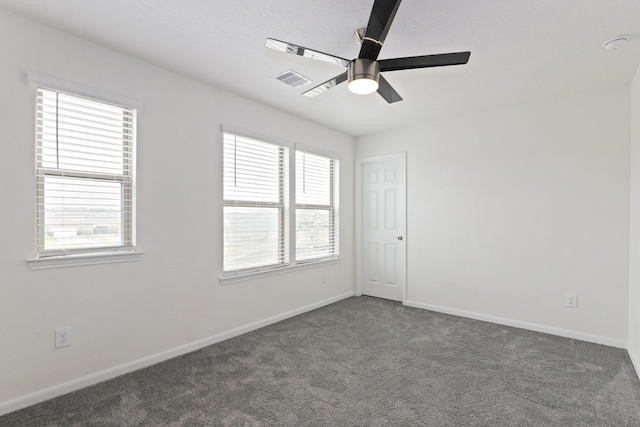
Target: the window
pixel 317 195
pixel 258 207
pixel 256 204
pixel 85 174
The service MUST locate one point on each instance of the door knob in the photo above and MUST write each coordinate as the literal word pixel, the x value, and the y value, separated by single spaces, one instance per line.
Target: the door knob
pixel 399 237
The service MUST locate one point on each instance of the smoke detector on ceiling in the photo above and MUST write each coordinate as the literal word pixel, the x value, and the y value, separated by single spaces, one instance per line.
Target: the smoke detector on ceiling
pixel 615 43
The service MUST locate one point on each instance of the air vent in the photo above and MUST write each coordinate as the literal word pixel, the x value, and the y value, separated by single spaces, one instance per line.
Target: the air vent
pixel 292 78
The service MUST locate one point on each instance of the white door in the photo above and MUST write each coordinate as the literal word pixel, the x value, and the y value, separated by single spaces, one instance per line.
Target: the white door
pixel 383 228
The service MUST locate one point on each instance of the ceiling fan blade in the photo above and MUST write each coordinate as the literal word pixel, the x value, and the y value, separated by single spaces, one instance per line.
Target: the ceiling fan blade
pixel 440 60
pixel 380 21
pixel 303 51
pixel 387 91
pixel 326 85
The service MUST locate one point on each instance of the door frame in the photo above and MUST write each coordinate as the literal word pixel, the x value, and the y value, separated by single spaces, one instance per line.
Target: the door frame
pixel 402 157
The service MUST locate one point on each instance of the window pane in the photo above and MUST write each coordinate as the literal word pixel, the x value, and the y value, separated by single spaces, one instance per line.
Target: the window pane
pixel 313 179
pixel 252 170
pixel 85 173
pixel 82 135
pixel 313 234
pixel 317 182
pixel 81 213
pixel 256 204
pixel 251 238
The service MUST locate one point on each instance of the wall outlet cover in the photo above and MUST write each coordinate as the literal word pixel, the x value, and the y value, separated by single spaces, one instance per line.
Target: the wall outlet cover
pixel 63 337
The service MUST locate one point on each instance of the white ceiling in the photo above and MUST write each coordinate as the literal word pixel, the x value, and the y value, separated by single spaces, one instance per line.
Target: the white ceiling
pixel 520 50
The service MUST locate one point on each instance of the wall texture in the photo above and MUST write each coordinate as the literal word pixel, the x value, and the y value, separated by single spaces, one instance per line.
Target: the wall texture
pixel 509 210
pixel 121 313
pixel 634 247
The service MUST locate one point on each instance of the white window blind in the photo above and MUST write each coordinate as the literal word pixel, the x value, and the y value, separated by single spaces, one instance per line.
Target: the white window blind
pixel 85 174
pixel 317 213
pixel 256 194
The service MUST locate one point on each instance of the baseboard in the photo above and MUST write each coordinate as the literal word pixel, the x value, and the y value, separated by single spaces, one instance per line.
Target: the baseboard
pixel 522 325
pixel 107 374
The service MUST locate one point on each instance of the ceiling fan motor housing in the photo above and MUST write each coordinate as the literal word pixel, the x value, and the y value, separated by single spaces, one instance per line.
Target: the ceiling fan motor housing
pixel 363 68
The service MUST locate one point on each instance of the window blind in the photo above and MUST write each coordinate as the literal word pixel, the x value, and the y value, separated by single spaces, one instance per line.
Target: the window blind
pixel 84 174
pixel 317 213
pixel 256 194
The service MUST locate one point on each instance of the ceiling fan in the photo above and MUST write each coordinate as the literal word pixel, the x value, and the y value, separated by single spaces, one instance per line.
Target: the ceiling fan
pixel 363 73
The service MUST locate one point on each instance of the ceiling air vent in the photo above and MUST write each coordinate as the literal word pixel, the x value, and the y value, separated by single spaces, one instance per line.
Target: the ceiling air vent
pixel 292 78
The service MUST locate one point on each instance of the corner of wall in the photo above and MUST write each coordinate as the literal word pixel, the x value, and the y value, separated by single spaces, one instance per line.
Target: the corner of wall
pixel 633 345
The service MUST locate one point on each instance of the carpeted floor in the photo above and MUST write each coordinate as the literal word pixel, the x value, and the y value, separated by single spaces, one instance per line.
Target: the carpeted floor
pixel 366 362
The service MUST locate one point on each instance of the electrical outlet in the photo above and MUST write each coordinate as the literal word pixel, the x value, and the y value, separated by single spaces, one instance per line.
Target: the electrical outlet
pixel 572 300
pixel 63 337
pixel 324 277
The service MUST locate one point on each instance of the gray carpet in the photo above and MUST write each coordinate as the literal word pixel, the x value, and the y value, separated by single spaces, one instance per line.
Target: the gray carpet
pixel 366 362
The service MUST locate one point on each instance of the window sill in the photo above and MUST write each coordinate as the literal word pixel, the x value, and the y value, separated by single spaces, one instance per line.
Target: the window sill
pixel 275 271
pixel 83 259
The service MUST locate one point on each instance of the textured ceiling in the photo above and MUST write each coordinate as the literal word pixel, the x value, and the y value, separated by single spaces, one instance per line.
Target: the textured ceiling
pixel 520 50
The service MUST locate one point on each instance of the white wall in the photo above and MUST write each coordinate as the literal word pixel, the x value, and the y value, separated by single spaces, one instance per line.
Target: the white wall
pixel 120 313
pixel 634 255
pixel 510 209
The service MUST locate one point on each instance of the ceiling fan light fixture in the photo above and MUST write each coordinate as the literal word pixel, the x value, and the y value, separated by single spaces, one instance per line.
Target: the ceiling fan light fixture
pixel 363 86
pixel 364 75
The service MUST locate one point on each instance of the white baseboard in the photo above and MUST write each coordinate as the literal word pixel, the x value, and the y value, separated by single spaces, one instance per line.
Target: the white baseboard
pixel 522 325
pixel 116 371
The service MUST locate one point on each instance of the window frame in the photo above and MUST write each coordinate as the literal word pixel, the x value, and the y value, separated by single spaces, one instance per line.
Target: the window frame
pixel 230 277
pixel 125 252
pixel 331 208
pixel 283 206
